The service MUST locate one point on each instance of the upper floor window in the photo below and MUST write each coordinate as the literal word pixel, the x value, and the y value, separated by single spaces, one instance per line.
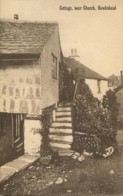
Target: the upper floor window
pixel 110 83
pixel 54 66
pixel 98 86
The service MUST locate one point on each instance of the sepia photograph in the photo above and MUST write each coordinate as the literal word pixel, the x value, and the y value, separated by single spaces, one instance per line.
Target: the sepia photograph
pixel 61 97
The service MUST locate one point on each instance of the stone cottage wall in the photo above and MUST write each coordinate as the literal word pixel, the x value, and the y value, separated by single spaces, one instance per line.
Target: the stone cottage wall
pixel 50 86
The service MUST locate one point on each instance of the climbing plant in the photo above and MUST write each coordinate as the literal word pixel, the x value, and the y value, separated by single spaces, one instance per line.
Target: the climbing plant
pixel 63 74
pixel 46 120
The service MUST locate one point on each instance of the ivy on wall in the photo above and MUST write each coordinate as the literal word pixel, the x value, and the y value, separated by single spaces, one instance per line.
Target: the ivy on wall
pixel 63 73
pixel 46 120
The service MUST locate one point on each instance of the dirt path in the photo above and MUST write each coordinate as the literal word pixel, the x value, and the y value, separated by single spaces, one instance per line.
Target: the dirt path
pixel 70 177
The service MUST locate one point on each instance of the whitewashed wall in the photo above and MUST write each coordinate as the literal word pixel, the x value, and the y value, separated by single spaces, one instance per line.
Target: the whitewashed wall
pixel 94 88
pixel 32 139
pixel 20 84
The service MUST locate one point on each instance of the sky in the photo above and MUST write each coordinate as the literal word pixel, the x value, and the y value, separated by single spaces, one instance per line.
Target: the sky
pixel 96 34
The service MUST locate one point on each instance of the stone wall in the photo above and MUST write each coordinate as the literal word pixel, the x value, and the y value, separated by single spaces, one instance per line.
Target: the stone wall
pixel 50 86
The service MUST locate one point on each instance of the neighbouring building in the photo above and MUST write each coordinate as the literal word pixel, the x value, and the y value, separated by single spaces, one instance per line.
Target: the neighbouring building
pixel 119 95
pixel 97 83
pixel 30 55
pixel 115 81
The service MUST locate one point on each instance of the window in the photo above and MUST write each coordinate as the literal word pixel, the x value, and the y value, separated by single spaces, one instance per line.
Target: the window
pixel 16 125
pixel 110 83
pixel 54 66
pixel 98 87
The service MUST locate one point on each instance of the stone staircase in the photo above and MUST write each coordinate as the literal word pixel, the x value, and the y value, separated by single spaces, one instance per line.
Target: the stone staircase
pixel 60 132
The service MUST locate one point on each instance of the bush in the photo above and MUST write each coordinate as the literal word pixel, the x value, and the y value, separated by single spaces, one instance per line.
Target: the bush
pixel 93 120
pixel 110 103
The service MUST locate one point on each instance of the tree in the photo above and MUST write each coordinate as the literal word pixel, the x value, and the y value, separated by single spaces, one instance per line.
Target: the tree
pixel 110 103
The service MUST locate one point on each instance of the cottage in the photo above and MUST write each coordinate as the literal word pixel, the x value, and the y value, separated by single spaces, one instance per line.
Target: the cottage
pixel 115 81
pixel 30 55
pixel 97 83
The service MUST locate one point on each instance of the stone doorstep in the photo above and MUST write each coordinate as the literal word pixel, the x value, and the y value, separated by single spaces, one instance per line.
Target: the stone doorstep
pixel 21 163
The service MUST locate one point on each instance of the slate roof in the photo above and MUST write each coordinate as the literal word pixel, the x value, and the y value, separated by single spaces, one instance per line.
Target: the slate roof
pixel 17 37
pixel 82 69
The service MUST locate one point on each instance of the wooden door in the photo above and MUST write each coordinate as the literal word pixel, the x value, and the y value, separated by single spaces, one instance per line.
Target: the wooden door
pixel 18 134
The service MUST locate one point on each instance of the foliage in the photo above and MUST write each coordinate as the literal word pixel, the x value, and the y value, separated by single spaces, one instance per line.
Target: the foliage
pixel 63 73
pixel 90 118
pixel 90 143
pixel 46 120
pixel 110 103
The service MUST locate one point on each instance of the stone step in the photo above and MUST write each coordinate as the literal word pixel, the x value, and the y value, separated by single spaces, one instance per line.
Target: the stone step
pixel 62 124
pixel 60 130
pixel 63 113
pixel 64 104
pixel 64 118
pixel 59 109
pixel 63 152
pixel 62 138
pixel 60 145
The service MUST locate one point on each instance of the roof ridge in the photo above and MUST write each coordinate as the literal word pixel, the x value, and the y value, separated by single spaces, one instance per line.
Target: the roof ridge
pixel 29 21
pixel 84 66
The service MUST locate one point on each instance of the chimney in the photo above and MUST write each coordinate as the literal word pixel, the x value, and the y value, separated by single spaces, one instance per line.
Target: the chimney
pixel 121 77
pixel 16 17
pixel 74 54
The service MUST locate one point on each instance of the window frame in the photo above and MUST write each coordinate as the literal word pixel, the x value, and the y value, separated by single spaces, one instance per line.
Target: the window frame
pixel 54 65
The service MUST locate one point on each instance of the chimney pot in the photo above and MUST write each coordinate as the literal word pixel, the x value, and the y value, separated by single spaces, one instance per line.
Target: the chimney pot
pixel 16 16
